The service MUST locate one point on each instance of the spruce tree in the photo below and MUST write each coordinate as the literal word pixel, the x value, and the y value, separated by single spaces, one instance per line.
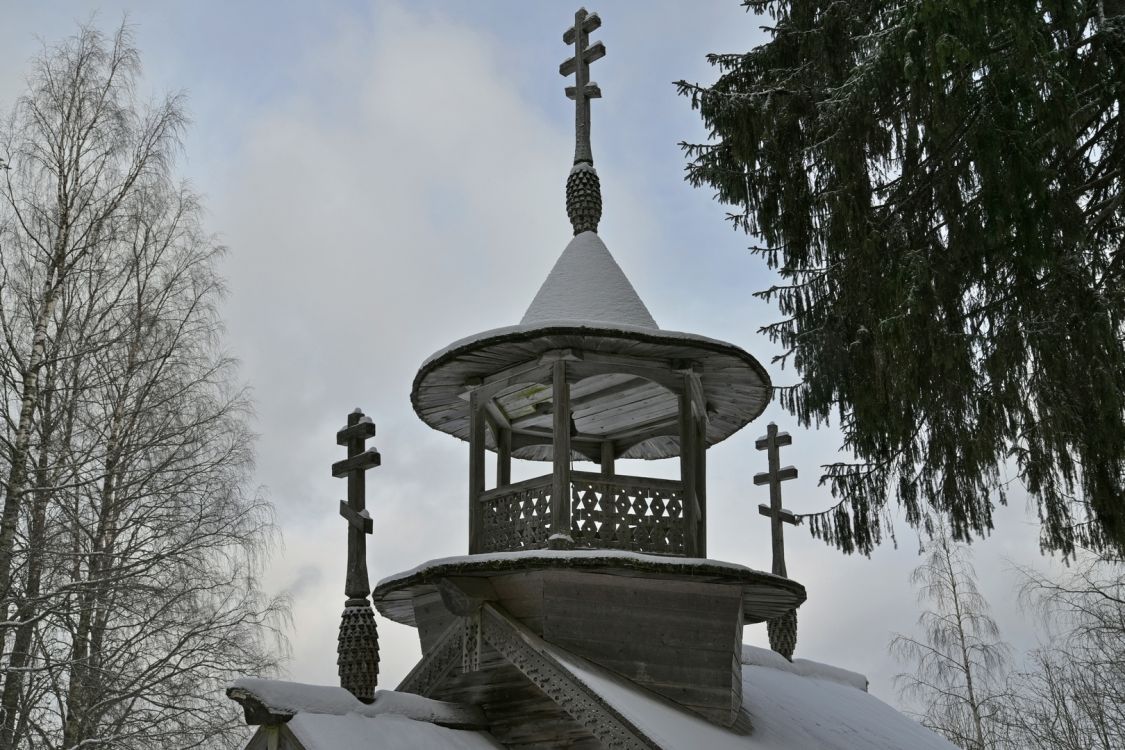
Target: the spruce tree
pixel 939 186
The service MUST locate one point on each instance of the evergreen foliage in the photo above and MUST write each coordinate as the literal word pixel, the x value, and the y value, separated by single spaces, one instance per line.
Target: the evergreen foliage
pixel 939 185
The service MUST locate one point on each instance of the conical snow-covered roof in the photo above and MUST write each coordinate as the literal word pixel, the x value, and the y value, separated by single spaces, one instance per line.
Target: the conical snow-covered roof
pixel 587 285
pixel 587 310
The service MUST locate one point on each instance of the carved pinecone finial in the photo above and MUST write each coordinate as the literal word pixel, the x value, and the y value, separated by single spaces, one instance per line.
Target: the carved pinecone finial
pixel 584 198
pixel 783 634
pixel 358 650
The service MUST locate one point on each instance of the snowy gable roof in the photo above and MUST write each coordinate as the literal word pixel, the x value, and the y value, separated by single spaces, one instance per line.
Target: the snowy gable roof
pixel 586 284
pixel 387 732
pixel 322 717
pixel 800 706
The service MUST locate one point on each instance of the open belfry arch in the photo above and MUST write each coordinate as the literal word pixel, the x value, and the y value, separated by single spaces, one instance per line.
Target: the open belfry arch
pixel 586 613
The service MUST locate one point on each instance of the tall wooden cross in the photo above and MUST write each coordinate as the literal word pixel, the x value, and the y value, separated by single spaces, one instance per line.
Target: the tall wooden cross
pixel 782 630
pixel 358 645
pixel 771 442
pixel 583 89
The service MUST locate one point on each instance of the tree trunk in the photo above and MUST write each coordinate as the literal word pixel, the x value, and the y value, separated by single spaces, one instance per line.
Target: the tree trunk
pixel 21 649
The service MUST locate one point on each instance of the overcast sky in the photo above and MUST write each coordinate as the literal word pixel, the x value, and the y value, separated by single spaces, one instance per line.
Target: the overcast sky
pixel 389 178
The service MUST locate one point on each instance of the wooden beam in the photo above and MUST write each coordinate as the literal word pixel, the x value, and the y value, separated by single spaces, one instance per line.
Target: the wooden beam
pixel 786 472
pixel 554 355
pixel 476 473
pixel 687 471
pixel 698 399
pixel 504 457
pixel 587 446
pixel 664 428
pixel 609 454
pixel 701 484
pixel 785 515
pixel 496 415
pixel 605 364
pixel 560 492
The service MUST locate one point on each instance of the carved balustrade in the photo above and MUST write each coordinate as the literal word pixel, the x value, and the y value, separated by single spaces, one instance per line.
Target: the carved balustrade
pixel 606 512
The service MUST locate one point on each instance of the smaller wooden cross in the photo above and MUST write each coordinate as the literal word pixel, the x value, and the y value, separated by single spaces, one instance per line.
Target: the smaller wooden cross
pixel 771 442
pixel 358 644
pixel 782 630
pixel 358 429
pixel 583 89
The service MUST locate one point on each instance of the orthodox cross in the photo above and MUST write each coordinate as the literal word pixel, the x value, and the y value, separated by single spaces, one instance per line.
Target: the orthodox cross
pixel 358 645
pixel 583 89
pixel 771 442
pixel 782 630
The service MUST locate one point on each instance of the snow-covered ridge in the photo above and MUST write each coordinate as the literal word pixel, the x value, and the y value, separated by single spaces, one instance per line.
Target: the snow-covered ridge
pixel 283 698
pixel 683 564
pixel 762 657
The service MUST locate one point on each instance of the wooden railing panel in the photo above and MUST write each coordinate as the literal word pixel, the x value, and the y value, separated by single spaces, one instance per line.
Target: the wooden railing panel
pixel 517 517
pixel 620 512
pixel 630 513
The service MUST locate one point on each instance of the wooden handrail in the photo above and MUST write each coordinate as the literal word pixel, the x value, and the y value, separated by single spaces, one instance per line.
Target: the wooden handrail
pixel 671 485
pixel 544 480
pixel 656 483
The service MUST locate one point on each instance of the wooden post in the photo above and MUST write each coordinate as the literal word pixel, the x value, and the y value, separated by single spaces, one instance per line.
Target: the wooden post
pixel 503 457
pixel 687 471
pixel 560 492
pixel 701 482
pixel 609 455
pixel 476 473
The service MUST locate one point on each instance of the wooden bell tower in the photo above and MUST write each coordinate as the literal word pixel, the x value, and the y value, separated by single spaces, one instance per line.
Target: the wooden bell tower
pixel 610 567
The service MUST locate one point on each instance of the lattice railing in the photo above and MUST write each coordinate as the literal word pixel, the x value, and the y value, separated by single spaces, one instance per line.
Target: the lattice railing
pixel 633 513
pixel 517 516
pixel 619 512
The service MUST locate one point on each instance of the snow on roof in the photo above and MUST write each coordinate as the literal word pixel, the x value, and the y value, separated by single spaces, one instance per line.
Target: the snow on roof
pixel 798 706
pixel 763 657
pixel 586 284
pixel 292 698
pixel 577 556
pixel 387 732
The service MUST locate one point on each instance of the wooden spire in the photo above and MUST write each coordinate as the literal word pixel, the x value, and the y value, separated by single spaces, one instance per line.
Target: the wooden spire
pixel 583 189
pixel 782 630
pixel 358 643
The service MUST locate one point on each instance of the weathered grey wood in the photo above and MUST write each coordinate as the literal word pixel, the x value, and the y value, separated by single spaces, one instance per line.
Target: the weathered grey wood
pixel 278 737
pixel 431 617
pixel 764 596
pixel 701 485
pixel 476 471
pixel 609 454
pixel 732 384
pixel 676 638
pixel 698 399
pixel 584 54
pixel 785 515
pixel 560 495
pixel 527 653
pixel 782 631
pixel 771 442
pixel 504 458
pixel 625 480
pixel 464 595
pixel 688 456
pixel 357 642
pixel 780 475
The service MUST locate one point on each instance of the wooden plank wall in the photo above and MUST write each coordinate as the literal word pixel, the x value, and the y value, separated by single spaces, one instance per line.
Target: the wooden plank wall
pixel 681 639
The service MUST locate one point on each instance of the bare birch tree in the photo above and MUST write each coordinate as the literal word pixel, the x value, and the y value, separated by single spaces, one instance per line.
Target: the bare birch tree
pixel 1071 696
pixel 128 536
pixel 958 660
